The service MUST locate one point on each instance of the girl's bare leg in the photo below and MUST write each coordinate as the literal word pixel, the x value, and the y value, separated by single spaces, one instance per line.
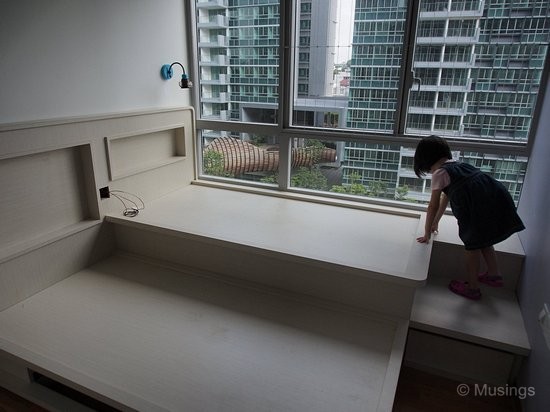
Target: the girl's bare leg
pixel 490 258
pixel 472 266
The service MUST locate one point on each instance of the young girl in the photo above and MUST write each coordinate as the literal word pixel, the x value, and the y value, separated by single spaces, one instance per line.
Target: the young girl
pixel 484 209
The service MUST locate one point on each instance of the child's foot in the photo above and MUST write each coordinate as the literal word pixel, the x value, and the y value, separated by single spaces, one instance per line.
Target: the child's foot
pixel 494 281
pixel 463 289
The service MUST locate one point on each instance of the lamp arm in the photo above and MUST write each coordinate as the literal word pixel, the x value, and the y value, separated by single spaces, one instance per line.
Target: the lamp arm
pixel 181 65
pixel 166 72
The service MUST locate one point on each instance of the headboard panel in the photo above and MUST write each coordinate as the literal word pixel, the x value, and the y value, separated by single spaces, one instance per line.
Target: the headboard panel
pixel 50 176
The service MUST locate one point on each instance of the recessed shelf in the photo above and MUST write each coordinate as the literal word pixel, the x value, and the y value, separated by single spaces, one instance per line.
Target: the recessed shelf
pixel 43 193
pixel 130 154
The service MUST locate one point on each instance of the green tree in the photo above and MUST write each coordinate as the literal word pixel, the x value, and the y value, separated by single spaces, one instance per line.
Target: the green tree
pixel 309 178
pixel 353 188
pixel 212 163
pixel 272 179
pixel 401 192
pixel 376 188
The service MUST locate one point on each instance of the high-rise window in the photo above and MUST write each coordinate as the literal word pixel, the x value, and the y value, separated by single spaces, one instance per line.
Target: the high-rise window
pixel 338 108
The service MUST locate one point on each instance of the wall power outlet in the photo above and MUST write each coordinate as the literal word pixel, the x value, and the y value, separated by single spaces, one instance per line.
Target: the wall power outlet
pixel 104 193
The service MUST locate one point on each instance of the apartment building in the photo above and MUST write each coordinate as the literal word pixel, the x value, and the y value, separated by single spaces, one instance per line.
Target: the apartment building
pixel 477 67
pixel 239 58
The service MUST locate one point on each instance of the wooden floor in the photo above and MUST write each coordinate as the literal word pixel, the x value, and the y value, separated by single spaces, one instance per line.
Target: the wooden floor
pixel 416 392
pixel 422 392
pixel 9 402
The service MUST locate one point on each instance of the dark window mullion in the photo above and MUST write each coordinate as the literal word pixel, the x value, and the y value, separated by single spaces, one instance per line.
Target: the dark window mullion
pixel 406 81
pixel 286 85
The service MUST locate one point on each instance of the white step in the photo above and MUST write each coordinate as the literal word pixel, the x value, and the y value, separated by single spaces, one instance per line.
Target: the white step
pixel 494 321
pixel 479 341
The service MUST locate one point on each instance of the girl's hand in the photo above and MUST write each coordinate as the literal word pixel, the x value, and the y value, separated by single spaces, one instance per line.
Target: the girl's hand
pixel 423 239
pixel 427 236
pixel 435 228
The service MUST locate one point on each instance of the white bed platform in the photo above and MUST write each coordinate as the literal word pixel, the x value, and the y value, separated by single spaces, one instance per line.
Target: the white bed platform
pixel 218 300
pixel 143 336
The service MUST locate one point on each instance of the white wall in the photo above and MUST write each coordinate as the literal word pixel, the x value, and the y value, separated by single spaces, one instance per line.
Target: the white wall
pixel 535 282
pixel 91 59
pixel 82 58
pixel 64 58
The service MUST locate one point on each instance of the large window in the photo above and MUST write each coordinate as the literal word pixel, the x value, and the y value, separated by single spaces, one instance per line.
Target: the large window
pixel 338 108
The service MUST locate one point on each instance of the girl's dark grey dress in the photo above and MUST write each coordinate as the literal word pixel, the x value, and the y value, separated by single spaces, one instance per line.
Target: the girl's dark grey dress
pixel 483 207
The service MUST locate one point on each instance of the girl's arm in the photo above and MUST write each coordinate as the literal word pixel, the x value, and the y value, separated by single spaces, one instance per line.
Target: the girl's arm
pixel 444 201
pixel 431 214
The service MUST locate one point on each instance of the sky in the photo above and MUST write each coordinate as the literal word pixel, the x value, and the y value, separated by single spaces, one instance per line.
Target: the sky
pixel 344 30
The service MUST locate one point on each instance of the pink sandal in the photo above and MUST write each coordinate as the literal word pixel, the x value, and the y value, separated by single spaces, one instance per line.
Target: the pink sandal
pixel 494 281
pixel 462 288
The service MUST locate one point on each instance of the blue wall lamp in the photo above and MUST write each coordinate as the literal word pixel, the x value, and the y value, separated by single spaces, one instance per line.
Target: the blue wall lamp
pixel 166 72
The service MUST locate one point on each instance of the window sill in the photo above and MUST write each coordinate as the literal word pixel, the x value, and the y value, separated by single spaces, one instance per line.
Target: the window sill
pixel 382 206
pixel 448 232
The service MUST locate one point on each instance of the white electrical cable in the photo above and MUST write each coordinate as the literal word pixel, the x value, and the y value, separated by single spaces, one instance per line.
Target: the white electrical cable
pixel 131 210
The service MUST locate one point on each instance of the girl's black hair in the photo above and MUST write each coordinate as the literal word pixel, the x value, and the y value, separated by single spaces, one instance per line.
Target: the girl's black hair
pixel 428 151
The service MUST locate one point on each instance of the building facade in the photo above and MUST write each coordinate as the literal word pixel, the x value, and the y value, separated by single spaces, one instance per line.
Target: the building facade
pixel 477 70
pixel 238 44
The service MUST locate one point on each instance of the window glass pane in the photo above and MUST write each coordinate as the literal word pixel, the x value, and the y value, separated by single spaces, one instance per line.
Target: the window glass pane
pixel 510 170
pixel 356 168
pixel 242 156
pixel 385 171
pixel 348 59
pixel 238 52
pixel 479 65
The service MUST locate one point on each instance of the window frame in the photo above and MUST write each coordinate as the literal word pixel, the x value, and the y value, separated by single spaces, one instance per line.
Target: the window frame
pixel 285 132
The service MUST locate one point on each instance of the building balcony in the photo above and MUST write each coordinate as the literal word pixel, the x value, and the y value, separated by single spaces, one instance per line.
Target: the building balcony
pixel 221 80
pixel 219 60
pixel 222 115
pixel 220 41
pixel 213 22
pixel 416 129
pixel 211 4
pixel 454 40
pixel 463 88
pixel 465 64
pixel 454 12
pixel 214 98
pixel 445 14
pixel 444 111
